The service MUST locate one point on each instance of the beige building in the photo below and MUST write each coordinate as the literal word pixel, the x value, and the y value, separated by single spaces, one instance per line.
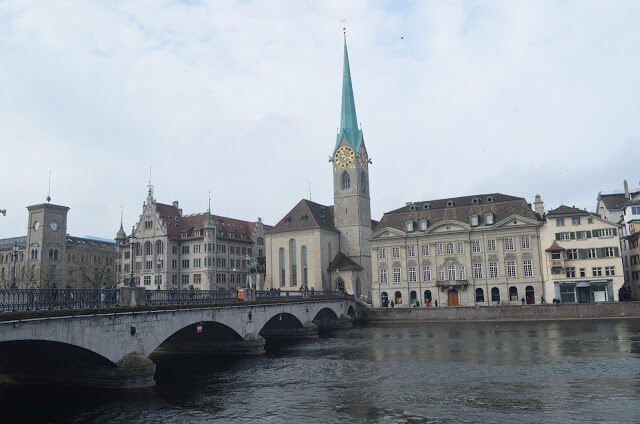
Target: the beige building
pixel 327 247
pixel 48 256
pixel 629 236
pixel 582 262
pixel 464 251
pixel 199 251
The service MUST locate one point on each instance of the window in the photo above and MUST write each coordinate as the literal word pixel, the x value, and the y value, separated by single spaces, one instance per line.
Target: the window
pixel 423 225
pixel 449 248
pixel 460 247
pixel 232 250
pixel 148 265
pixel 174 280
pixel 511 269
pixel 185 280
pixel 305 276
pixel 383 275
pixel 159 247
pixel 475 246
pixel 508 243
pixel 408 226
pixel 583 273
pixel 426 273
pixel 293 262
pixel 158 280
pixel 479 295
pixel 513 293
pixel 559 222
pixel 451 272
pixel 527 268
pixel 396 275
pixel 160 264
pixel 185 263
pixel 196 263
pixel 185 250
pixel 609 252
pixel 583 235
pixel 147 280
pixel 570 272
pixel 488 219
pixel 606 232
pixel 411 251
pixel 346 180
pixel 525 242
pixel 395 252
pixel 283 271
pixel 495 294
pixel 596 271
pixel 413 276
pixel 477 271
pixel 382 253
pixel 491 245
pixel 474 220
pixel 441 273
pixel 575 220
pixel 425 250
pixel 609 271
pixel 572 254
pixel 197 279
pixel 564 236
pixel 591 253
pixel 462 274
pixel 493 269
pixel 174 250
pixel 439 248
pixel 148 225
pixel 148 250
pixel 196 248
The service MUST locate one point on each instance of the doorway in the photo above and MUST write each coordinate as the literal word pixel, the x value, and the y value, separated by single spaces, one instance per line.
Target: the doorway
pixel 452 298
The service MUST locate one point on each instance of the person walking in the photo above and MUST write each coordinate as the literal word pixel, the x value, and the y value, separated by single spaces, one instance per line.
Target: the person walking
pixel 103 292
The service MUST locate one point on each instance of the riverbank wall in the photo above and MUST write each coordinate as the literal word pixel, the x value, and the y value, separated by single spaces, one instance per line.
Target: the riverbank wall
pixel 505 313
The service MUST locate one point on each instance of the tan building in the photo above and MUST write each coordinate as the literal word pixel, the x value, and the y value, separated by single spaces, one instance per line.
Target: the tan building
pixel 200 251
pixel 582 262
pixel 327 247
pixel 48 256
pixel 464 251
pixel 630 234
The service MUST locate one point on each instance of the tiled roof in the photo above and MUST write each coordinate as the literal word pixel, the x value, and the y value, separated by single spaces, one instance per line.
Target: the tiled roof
pixel 83 241
pixel 563 210
pixel 615 201
pixel 306 215
pixel 555 247
pixel 343 262
pixel 458 209
pixel 8 242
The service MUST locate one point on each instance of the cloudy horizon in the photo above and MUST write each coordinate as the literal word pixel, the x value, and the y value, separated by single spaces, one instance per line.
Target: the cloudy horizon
pixel 243 99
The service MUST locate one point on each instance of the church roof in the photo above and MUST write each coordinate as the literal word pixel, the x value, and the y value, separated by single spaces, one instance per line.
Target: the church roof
pixel 306 215
pixel 458 209
pixel 343 262
pixel 348 119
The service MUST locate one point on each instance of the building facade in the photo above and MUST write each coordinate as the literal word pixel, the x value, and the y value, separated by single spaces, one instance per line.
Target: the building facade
pixel 630 234
pixel 47 256
pixel 327 247
pixel 203 251
pixel 464 251
pixel 582 262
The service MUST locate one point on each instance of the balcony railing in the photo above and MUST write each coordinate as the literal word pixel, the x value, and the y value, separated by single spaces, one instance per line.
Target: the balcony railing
pixel 452 283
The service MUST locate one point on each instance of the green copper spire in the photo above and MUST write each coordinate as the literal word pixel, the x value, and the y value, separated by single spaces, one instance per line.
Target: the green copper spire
pixel 209 224
pixel 121 234
pixel 348 118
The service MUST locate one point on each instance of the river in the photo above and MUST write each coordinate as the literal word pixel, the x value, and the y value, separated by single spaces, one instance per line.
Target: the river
pixel 525 372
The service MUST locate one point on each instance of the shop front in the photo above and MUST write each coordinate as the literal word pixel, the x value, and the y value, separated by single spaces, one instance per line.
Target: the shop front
pixel 586 291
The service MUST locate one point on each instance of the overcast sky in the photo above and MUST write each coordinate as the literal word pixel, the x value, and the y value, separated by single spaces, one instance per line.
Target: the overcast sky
pixel 243 99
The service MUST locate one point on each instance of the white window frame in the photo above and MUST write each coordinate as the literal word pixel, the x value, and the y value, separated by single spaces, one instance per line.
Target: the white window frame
pixel 425 250
pixel 477 271
pixel 413 276
pixel 493 269
pixel 396 275
pixel 383 276
pixel 395 252
pixel 411 251
pixel 525 242
pixel 491 245
pixel 426 273
pixel 508 243
pixel 462 275
pixel 440 273
pixel 382 253
pixel 512 269
pixel 527 268
pixel 439 249
pixel 460 248
pixel 449 248
pixel 475 246
pixel 451 272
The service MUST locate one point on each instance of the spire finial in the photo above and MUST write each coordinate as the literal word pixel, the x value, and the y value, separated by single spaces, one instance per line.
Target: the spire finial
pixel 49 191
pixel 209 224
pixel 149 186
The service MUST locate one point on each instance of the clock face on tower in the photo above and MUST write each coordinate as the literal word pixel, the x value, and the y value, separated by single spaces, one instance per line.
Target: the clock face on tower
pixel 53 226
pixel 36 225
pixel 344 157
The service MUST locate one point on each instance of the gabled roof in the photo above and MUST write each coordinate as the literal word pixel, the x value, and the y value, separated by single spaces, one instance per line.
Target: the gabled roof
pixel 343 262
pixel 555 247
pixel 615 201
pixel 306 215
pixel 563 210
pixel 458 209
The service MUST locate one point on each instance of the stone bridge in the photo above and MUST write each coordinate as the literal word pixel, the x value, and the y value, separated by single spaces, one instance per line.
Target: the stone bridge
pixel 112 348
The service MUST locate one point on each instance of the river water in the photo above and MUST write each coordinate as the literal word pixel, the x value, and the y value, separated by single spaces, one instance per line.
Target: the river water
pixel 525 372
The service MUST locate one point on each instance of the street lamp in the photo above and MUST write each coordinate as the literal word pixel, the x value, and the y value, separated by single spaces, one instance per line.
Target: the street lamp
pixel 132 240
pixel 14 255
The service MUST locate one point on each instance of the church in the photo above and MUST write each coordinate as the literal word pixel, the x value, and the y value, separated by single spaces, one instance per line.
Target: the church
pixel 327 247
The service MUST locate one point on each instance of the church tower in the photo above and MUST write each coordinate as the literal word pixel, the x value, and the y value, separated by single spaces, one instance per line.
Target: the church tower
pixel 352 206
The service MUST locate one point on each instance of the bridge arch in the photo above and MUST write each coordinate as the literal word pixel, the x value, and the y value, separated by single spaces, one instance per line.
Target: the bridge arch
pixel 326 314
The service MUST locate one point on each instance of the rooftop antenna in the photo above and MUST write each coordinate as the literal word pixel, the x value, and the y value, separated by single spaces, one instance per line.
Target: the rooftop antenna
pixel 49 192
pixel 309 188
pixel 150 186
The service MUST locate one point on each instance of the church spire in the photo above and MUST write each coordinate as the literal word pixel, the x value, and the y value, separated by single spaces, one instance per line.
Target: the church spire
pixel 209 224
pixel 121 234
pixel 348 119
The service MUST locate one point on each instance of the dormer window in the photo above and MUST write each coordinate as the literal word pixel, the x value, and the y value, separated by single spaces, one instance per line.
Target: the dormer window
pixel 426 206
pixel 184 234
pixel 412 207
pixel 474 220
pixel 450 203
pixel 490 199
pixel 488 218
pixel 408 226
pixel 475 200
pixel 423 225
pixel 198 233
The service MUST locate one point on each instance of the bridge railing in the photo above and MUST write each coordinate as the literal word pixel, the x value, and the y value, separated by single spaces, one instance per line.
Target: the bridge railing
pixel 41 299
pixel 279 295
pixel 189 297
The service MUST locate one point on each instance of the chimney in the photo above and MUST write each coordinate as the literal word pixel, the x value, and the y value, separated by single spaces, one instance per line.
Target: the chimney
pixel 175 204
pixel 626 190
pixel 538 205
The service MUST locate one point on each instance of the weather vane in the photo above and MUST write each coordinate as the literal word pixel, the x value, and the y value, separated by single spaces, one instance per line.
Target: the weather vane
pixel 344 25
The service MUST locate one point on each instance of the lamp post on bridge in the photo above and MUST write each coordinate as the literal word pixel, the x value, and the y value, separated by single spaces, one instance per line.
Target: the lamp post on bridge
pixel 132 240
pixel 14 256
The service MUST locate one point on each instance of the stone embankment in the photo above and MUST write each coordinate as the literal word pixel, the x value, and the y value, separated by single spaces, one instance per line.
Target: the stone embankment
pixel 506 313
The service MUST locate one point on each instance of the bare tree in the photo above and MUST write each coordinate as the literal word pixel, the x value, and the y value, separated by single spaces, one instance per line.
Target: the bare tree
pixel 94 274
pixel 28 277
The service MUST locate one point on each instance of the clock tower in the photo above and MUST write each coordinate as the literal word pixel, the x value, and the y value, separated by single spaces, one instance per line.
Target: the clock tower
pixel 352 206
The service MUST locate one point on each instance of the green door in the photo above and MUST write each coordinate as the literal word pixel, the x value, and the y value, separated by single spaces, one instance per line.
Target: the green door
pixel 584 294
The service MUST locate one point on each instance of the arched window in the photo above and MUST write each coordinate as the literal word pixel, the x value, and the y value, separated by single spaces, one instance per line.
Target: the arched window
pixel 303 254
pixel 384 299
pixel 413 297
pixel 363 183
pixel 283 271
pixel 427 297
pixel 340 284
pixel 50 254
pixel 292 262
pixel 479 295
pixel 148 248
pixel 530 295
pixel 159 247
pixel 495 294
pixel 55 255
pixel 346 180
pixel 513 293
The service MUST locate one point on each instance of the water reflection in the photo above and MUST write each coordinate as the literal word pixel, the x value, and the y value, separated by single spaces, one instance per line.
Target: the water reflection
pixel 564 371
